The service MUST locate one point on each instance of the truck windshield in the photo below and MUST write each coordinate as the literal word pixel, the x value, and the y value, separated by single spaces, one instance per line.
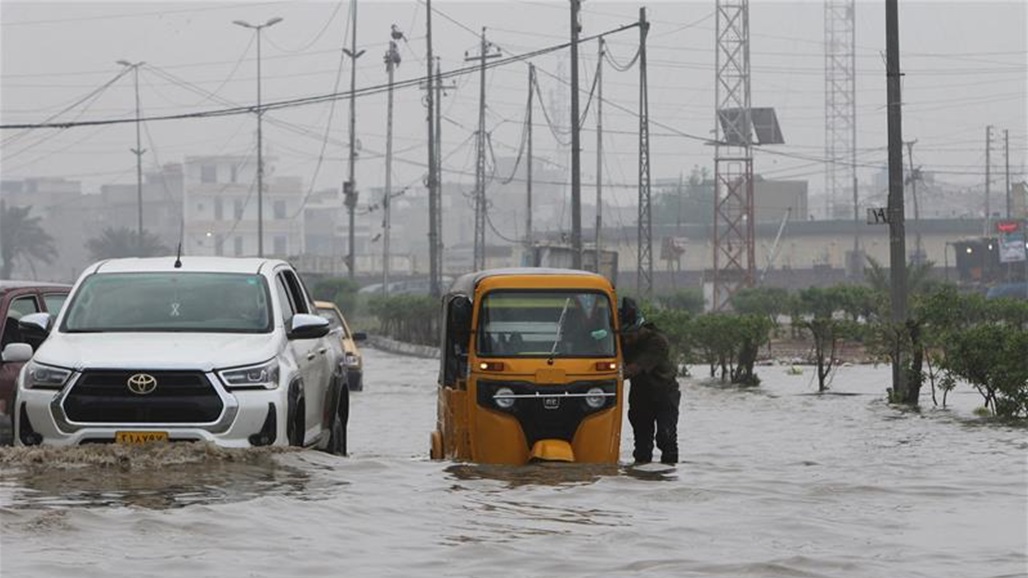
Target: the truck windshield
pixel 545 324
pixel 170 301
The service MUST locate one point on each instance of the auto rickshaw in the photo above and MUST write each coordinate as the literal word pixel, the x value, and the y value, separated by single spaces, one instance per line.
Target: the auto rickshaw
pixel 530 369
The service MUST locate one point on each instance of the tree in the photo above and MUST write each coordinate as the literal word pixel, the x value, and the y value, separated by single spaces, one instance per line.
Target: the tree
pixel 21 238
pixel 820 306
pixel 124 242
pixel 903 337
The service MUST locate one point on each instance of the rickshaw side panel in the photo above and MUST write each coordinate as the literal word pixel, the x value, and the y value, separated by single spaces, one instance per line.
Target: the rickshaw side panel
pixel 588 442
pixel 497 439
pixel 453 423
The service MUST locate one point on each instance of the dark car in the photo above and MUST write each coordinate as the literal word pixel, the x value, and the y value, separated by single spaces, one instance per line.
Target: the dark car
pixel 19 298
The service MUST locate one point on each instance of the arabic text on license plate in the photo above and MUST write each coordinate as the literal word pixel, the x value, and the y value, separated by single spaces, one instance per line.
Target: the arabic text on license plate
pixel 140 437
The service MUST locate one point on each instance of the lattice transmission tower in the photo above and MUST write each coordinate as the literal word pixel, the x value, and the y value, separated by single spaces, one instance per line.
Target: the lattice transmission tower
pixel 733 157
pixel 840 106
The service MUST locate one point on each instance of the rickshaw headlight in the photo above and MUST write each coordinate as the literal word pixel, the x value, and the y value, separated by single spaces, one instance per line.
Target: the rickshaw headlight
pixel 594 398
pixel 504 398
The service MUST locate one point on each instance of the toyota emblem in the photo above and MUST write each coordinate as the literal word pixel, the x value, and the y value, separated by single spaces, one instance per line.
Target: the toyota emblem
pixel 142 384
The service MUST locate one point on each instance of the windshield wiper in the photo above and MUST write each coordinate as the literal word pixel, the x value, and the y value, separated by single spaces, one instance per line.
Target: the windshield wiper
pixel 560 330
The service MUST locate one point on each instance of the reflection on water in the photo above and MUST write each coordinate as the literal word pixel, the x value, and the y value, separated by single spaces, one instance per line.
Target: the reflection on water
pixel 541 473
pixel 157 476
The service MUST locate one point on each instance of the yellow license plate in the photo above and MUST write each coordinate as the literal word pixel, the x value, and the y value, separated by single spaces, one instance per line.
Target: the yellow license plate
pixel 140 437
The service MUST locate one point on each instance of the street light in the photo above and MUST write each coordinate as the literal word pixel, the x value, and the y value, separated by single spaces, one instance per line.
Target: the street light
pixel 139 154
pixel 260 143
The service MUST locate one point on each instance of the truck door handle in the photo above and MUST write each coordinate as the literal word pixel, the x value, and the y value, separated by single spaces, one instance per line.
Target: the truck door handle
pixel 310 356
pixel 323 350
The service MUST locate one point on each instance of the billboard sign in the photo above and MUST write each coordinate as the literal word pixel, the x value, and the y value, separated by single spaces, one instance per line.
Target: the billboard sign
pixel 1011 241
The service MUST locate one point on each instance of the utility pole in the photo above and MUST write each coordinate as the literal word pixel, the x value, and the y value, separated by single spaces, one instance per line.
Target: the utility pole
pixel 434 276
pixel 988 181
pixel 350 186
pixel 599 150
pixel 576 160
pixel 260 138
pixel 1006 148
pixel 392 60
pixel 897 239
pixel 528 166
pixel 138 151
pixel 644 278
pixel 480 203
pixel 915 174
pixel 439 169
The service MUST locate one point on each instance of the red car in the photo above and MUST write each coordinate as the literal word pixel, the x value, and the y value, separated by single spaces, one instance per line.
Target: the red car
pixel 18 298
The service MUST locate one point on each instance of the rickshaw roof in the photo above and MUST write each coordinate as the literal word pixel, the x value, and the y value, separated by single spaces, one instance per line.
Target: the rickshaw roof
pixel 466 284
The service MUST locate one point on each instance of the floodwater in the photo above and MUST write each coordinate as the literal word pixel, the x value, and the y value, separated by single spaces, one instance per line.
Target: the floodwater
pixel 775 481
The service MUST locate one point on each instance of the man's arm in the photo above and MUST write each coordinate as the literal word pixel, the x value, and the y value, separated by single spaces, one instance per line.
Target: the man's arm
pixel 652 352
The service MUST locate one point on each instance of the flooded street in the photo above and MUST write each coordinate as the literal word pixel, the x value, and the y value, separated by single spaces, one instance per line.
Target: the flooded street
pixel 776 481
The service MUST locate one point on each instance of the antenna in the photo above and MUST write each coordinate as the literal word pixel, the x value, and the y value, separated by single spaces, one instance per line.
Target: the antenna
pixel 178 256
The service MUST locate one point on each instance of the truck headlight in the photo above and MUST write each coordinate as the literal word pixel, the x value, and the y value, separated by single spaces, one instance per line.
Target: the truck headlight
pixel 504 398
pixel 594 398
pixel 40 376
pixel 351 360
pixel 264 375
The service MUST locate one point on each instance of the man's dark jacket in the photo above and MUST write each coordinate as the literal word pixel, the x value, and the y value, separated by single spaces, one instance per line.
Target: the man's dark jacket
pixel 651 352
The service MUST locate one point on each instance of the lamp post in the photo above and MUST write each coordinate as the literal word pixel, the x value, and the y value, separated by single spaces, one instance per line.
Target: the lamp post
pixel 260 143
pixel 138 151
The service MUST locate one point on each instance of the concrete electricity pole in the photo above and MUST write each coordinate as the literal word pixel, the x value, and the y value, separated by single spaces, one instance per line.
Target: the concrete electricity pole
pixel 988 181
pixel 392 60
pixel 260 138
pixel 913 178
pixel 138 151
pixel 434 276
pixel 1006 148
pixel 480 201
pixel 599 151
pixel 350 186
pixel 897 239
pixel 528 166
pixel 576 161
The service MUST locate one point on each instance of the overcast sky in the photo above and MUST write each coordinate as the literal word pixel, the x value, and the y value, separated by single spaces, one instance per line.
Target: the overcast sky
pixel 964 65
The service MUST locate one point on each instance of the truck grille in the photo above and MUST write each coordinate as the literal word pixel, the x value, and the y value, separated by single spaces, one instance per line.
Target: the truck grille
pixel 179 397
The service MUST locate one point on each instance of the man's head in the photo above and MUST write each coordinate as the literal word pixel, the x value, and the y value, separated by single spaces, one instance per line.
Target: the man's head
pixel 630 315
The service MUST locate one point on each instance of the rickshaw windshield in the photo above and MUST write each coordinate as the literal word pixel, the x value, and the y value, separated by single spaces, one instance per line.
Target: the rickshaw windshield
pixel 545 324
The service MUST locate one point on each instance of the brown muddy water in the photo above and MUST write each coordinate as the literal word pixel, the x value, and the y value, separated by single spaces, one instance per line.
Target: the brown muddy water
pixel 775 481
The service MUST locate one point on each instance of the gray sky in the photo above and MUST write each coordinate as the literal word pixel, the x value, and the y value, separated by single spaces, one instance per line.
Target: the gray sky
pixel 964 64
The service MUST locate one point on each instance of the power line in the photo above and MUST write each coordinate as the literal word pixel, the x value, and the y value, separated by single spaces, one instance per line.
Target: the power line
pixel 304 101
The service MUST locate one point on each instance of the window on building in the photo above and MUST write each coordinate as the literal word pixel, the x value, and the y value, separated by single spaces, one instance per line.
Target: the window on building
pixel 234 178
pixel 218 210
pixel 280 245
pixel 237 209
pixel 208 173
pixel 237 247
pixel 219 245
pixel 279 209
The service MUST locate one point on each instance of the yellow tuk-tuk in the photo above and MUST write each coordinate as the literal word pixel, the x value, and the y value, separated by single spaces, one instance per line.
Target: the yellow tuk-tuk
pixel 530 368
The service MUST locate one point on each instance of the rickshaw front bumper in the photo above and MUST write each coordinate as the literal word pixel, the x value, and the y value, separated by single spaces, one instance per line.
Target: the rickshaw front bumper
pixel 552 451
pixel 550 416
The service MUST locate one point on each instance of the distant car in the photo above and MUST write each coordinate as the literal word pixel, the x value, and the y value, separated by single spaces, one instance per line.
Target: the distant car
pixel 218 349
pixel 1008 291
pixel 17 299
pixel 353 361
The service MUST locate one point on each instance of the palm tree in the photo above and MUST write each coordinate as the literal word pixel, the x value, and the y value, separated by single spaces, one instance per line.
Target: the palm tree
pixel 21 237
pixel 124 242
pixel 918 276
